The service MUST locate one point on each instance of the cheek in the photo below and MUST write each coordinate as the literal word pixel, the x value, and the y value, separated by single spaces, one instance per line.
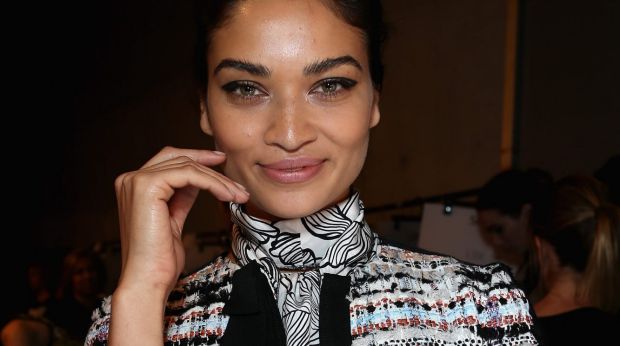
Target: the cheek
pixel 348 127
pixel 515 234
pixel 238 139
pixel 228 124
pixel 233 137
pixel 497 240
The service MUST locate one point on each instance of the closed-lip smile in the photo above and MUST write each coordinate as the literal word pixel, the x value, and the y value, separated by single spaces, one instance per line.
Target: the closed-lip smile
pixel 293 170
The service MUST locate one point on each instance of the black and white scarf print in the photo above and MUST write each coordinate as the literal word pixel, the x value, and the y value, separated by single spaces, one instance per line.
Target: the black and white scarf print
pixel 333 240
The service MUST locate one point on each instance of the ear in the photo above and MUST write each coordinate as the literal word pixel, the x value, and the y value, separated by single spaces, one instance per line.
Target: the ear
pixel 205 125
pixel 541 257
pixel 375 114
pixel 538 245
pixel 525 215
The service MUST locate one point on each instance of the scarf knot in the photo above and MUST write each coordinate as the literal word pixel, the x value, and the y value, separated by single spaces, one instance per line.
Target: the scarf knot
pixel 294 255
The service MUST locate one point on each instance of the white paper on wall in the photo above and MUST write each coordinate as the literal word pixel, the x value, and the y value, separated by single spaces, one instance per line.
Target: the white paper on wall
pixel 455 234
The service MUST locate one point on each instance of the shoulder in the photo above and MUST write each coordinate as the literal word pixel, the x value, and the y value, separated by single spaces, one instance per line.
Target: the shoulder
pixel 194 307
pixel 575 327
pixel 428 268
pixel 428 295
pixel 22 331
pixel 206 285
pixel 195 303
pixel 587 316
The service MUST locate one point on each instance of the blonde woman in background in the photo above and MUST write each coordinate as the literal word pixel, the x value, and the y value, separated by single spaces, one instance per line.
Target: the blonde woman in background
pixel 579 257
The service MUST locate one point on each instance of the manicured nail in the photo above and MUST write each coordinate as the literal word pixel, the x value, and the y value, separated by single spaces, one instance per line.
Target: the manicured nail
pixel 218 152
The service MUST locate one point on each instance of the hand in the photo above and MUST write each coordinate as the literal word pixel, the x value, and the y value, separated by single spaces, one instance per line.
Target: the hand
pixel 153 204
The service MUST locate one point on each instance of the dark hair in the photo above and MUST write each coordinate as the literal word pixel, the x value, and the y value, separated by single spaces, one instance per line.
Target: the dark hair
pixel 366 15
pixel 510 190
pixel 609 174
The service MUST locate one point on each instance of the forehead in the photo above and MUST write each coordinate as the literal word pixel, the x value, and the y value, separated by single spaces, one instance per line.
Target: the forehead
pixel 285 31
pixel 492 216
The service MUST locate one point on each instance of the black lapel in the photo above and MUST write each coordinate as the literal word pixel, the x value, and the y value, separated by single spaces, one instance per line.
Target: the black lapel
pixel 334 321
pixel 254 316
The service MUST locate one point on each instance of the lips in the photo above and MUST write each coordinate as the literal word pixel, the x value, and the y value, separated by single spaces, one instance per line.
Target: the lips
pixel 293 170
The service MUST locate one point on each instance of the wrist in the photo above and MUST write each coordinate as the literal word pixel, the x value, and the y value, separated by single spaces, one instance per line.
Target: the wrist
pixel 137 316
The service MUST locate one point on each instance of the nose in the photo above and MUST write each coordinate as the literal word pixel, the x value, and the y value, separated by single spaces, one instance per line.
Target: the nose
pixel 291 126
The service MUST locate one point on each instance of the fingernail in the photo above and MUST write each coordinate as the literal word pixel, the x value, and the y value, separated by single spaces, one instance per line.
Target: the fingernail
pixel 218 152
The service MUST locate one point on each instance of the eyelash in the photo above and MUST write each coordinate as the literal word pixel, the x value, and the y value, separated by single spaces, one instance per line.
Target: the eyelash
pixel 233 89
pixel 342 85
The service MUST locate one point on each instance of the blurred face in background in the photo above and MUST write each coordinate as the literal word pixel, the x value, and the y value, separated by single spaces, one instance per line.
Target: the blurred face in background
pixel 509 235
pixel 85 279
pixel 37 278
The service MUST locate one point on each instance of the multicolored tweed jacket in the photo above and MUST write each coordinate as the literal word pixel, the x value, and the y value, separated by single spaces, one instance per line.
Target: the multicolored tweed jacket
pixel 400 297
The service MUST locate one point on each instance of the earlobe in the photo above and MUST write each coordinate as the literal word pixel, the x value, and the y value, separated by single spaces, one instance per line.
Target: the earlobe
pixel 537 244
pixel 204 118
pixel 375 114
pixel 539 252
pixel 525 215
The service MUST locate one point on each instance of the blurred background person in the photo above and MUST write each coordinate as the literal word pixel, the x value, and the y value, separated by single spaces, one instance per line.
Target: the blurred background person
pixel 579 258
pixel 79 291
pixel 32 291
pixel 41 276
pixel 65 319
pixel 508 207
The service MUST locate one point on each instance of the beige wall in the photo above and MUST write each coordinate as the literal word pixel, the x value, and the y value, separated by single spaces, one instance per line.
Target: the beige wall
pixel 442 102
pixel 570 116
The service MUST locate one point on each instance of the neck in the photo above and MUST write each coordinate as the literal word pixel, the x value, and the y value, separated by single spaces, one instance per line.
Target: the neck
pixel 563 294
pixel 332 240
pixel 255 211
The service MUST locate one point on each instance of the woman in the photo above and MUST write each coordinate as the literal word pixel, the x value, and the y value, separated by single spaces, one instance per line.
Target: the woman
pixel 291 92
pixel 579 256
pixel 65 319
pixel 509 206
pixel 78 293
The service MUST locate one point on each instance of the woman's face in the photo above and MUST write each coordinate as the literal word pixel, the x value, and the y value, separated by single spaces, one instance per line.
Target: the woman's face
pixel 508 235
pixel 290 101
pixel 85 279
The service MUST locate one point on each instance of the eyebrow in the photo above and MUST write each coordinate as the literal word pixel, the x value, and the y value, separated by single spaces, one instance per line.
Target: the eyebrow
pixel 330 63
pixel 262 71
pixel 255 69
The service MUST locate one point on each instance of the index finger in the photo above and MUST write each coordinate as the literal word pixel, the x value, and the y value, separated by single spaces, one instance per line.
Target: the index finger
pixel 204 157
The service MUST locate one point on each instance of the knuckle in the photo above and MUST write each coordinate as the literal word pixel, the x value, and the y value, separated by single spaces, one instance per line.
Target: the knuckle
pixel 141 180
pixel 167 150
pixel 189 167
pixel 133 181
pixel 120 181
pixel 186 159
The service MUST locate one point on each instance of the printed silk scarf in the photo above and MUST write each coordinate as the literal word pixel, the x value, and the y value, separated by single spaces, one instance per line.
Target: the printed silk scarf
pixel 294 254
